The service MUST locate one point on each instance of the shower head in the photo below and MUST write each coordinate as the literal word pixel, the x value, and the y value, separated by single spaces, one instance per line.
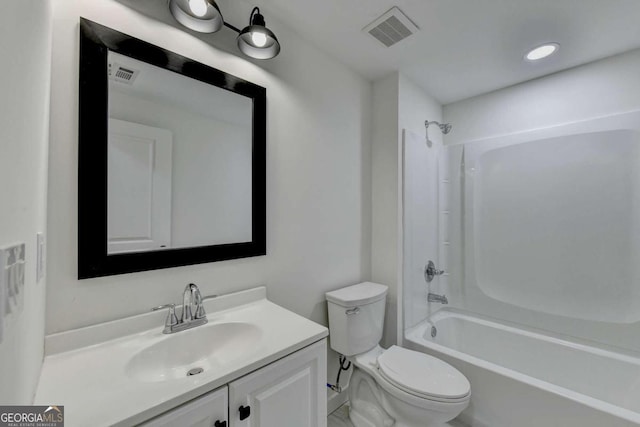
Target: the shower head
pixel 445 128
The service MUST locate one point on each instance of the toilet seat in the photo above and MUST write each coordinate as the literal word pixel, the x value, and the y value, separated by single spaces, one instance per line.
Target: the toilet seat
pixel 422 376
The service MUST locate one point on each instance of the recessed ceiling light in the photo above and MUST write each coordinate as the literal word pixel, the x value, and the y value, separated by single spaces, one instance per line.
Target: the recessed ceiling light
pixel 542 51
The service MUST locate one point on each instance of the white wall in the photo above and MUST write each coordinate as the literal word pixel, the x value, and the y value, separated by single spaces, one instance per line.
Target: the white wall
pixel 24 118
pixel 318 177
pixel 597 89
pixel 606 87
pixel 384 206
pixel 415 107
pixel 419 224
pixel 398 104
pixel 208 154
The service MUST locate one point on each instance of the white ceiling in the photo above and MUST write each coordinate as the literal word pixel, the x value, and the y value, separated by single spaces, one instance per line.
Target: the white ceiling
pixel 464 47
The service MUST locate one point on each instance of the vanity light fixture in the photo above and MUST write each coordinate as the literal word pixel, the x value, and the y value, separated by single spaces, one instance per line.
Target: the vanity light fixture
pixel 541 52
pixel 198 7
pixel 204 16
pixel 256 40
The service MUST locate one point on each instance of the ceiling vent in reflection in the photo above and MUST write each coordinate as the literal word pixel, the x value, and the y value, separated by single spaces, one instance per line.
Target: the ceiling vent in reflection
pixel 391 27
pixel 126 75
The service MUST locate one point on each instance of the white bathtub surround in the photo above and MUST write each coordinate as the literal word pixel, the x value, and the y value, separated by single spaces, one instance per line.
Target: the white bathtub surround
pixel 527 195
pixel 596 97
pixel 534 231
pixel 110 374
pixel 425 215
pixel 530 262
pixel 544 380
pixel 398 104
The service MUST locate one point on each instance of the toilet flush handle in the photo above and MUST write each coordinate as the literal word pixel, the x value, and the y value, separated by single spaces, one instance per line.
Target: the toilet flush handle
pixel 352 311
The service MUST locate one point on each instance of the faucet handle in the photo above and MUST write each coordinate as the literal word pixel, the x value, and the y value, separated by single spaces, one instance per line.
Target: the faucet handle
pixel 172 319
pixel 430 271
pixel 171 307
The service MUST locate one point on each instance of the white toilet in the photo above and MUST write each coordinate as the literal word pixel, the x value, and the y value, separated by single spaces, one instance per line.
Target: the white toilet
pixel 394 387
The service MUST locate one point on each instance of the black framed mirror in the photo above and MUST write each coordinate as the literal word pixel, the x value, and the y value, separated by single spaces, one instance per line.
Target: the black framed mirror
pixel 172 159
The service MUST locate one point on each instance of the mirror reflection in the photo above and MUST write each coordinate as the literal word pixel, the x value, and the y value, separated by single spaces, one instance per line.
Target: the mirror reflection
pixel 179 160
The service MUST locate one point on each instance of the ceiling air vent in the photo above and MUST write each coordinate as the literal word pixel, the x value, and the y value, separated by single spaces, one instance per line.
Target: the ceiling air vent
pixel 122 74
pixel 391 27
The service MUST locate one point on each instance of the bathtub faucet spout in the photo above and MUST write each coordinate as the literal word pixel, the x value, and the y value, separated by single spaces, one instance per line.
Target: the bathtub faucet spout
pixel 442 299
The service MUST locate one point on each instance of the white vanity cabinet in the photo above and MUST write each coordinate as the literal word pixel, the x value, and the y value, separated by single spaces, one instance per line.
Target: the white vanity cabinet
pixel 290 392
pixel 253 354
pixel 209 410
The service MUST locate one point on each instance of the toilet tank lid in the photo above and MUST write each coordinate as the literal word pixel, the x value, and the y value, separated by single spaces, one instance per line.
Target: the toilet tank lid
pixel 360 294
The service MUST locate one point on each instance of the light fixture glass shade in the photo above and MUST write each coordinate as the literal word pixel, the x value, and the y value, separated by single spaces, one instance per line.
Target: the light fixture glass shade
pixel 257 41
pixel 193 15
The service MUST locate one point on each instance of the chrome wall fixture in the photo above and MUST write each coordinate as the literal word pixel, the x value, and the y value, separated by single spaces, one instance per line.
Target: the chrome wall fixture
pixel 204 16
pixel 430 272
pixel 445 128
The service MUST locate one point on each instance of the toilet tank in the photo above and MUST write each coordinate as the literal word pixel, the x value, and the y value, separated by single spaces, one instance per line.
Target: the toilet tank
pixel 356 317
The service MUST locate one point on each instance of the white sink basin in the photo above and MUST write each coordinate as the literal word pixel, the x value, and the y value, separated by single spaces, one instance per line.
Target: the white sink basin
pixel 203 348
pixel 124 372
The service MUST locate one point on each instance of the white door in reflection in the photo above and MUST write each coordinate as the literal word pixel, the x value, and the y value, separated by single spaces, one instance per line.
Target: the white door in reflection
pixel 196 189
pixel 139 187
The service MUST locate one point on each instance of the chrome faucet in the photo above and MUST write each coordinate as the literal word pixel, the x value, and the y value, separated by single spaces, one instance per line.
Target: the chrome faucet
pixel 191 297
pixel 193 313
pixel 430 271
pixel 442 299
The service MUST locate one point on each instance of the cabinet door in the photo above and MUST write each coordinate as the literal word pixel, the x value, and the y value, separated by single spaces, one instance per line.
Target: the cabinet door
pixel 288 393
pixel 209 410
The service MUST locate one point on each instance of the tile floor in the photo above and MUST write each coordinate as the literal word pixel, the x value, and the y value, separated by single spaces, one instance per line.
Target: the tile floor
pixel 340 418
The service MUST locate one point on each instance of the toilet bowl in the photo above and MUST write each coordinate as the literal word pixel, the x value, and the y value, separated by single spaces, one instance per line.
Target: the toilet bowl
pixel 393 387
pixel 412 389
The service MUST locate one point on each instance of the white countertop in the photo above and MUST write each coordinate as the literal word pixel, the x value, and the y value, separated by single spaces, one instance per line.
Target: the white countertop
pixel 85 369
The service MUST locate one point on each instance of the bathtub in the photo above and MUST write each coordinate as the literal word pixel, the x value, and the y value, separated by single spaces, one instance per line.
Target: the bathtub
pixel 524 378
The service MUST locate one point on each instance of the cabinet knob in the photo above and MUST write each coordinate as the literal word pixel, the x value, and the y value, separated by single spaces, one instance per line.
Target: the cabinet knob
pixel 245 411
pixel 220 424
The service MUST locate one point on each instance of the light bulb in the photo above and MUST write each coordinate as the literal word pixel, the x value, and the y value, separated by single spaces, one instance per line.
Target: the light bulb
pixel 259 39
pixel 542 51
pixel 198 7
